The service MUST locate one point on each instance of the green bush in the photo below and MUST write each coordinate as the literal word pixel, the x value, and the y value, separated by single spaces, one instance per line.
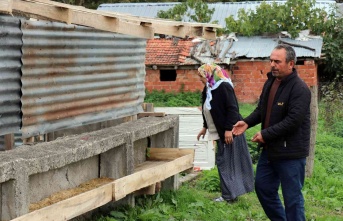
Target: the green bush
pixel 209 181
pixel 173 99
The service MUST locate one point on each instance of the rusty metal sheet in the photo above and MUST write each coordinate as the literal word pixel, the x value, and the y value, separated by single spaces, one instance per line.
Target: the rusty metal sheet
pixel 74 75
pixel 10 64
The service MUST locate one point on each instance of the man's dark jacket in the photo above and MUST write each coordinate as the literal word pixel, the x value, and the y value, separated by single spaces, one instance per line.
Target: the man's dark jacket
pixel 224 108
pixel 288 134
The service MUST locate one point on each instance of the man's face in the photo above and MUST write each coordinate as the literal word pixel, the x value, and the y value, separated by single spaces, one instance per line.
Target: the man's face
pixel 279 67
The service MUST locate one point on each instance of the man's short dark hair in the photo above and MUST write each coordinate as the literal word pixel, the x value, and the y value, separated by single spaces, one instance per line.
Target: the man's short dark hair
pixel 290 53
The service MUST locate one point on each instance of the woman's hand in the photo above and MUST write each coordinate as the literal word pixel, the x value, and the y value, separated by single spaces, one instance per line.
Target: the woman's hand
pixel 228 137
pixel 202 132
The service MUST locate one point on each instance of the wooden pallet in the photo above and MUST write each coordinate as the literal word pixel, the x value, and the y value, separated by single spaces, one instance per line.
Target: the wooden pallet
pixel 161 164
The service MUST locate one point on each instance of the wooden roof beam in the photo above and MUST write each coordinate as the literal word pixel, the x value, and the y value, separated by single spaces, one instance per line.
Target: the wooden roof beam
pixel 74 15
pixel 106 21
pixel 174 28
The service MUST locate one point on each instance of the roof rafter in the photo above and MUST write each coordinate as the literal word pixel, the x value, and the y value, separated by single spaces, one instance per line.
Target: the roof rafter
pixel 107 21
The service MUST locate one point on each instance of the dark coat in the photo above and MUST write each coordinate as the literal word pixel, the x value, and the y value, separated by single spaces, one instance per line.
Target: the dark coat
pixel 224 108
pixel 288 134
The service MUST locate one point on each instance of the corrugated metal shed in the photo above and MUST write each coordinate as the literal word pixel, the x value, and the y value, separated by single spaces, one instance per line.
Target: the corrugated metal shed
pixel 74 75
pixel 222 9
pixel 10 64
pixel 260 47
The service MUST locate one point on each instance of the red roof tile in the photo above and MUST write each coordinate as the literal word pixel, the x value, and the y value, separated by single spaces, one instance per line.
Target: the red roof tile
pixel 167 51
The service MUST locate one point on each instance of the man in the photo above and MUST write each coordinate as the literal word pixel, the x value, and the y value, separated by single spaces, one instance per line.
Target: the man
pixel 284 113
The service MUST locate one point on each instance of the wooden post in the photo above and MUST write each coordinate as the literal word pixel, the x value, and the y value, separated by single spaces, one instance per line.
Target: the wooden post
pixel 148 107
pixel 28 140
pixel 41 138
pixel 314 124
pixel 9 141
pixel 130 118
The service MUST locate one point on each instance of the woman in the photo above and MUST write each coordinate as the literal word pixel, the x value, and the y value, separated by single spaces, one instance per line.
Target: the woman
pixel 220 112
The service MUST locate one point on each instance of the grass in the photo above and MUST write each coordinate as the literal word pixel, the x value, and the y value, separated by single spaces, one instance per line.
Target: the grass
pixel 323 191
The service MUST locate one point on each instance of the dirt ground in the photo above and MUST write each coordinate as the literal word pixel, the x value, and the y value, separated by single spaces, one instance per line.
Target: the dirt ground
pixel 65 194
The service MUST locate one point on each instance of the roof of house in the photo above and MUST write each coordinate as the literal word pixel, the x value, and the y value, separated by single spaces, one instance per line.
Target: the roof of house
pixel 163 51
pixel 225 49
pixel 222 9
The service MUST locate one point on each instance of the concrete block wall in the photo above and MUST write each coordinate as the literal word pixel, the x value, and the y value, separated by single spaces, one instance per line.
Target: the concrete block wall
pixel 31 173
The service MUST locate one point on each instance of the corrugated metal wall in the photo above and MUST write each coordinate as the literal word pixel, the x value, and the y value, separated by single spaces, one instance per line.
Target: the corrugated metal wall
pixel 10 64
pixel 74 75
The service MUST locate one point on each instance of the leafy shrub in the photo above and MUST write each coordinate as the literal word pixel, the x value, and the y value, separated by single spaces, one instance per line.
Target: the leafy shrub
pixel 331 107
pixel 172 99
pixel 209 181
pixel 327 140
pixel 338 128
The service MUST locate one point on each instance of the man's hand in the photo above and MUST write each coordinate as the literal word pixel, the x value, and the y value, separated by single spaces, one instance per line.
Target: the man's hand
pixel 228 137
pixel 201 133
pixel 239 128
pixel 258 138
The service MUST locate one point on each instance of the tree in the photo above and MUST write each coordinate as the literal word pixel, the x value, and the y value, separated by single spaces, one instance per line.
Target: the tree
pixel 195 10
pixel 293 17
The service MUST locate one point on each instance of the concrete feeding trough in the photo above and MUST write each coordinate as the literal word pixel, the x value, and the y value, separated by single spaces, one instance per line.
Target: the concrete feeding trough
pixel 161 163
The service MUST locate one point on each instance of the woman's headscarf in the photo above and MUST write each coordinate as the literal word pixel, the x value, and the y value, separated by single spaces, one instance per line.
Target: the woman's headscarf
pixel 214 75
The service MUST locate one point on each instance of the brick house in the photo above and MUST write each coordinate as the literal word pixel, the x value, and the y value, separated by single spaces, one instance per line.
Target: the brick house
pixel 171 63
pixel 169 67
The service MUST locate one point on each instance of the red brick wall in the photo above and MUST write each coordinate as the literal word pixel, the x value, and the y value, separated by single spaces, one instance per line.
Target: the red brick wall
pixel 248 78
pixel 188 78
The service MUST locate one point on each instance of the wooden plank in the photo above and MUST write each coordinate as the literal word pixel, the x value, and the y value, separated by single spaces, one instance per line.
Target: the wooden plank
pixel 28 140
pixel 80 17
pixel 9 141
pixel 6 6
pixel 151 114
pixel 168 153
pixel 148 164
pixel 154 21
pixel 107 21
pixel 72 207
pixel 130 183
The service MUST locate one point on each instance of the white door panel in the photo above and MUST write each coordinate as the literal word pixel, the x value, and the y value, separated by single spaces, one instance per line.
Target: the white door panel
pixel 190 123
